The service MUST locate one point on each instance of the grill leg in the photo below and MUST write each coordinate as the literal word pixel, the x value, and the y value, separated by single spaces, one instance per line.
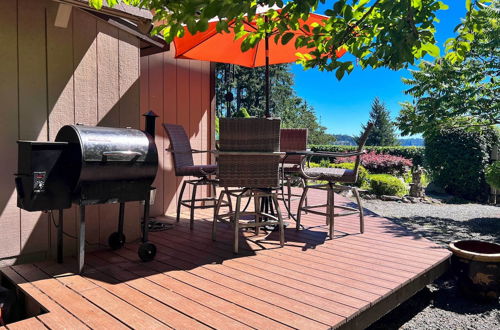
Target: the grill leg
pixel 121 218
pixel 145 227
pixel 81 240
pixel 60 232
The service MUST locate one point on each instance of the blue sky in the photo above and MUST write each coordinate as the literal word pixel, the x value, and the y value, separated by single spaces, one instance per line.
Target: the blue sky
pixel 343 106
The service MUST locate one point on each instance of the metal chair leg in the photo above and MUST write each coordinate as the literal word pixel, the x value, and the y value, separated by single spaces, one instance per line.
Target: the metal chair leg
pixel 256 203
pixel 237 224
pixel 193 204
pixel 180 200
pixel 304 184
pixel 229 201
pixel 289 193
pixel 280 219
pixel 299 209
pixel 330 210
pixel 360 206
pixel 216 214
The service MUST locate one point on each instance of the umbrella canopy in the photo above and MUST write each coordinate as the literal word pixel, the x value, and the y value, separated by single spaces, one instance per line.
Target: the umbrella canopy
pixel 223 48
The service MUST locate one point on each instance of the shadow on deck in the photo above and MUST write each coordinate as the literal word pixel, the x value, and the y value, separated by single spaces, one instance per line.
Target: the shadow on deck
pixel 347 282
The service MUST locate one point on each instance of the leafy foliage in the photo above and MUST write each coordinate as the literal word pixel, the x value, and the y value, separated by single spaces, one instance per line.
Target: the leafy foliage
pixel 492 174
pixel 457 158
pixel 385 184
pixel 381 163
pixel 382 133
pixel 379 33
pixel 415 154
pixel 450 93
pixel 247 86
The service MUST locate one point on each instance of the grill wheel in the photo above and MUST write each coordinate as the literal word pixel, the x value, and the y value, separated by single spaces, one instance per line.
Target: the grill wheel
pixel 147 251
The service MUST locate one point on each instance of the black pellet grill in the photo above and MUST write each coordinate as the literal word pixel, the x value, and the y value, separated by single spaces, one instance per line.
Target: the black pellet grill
pixel 89 165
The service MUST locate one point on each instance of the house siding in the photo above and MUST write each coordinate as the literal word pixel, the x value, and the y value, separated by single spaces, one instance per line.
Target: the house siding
pixel 179 91
pixel 88 73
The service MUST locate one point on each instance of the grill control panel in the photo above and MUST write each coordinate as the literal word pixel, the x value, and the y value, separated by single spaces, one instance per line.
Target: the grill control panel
pixel 39 181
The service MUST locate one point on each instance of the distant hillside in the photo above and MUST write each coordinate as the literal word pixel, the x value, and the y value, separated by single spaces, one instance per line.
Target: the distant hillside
pixel 347 140
pixel 414 142
pixel 344 140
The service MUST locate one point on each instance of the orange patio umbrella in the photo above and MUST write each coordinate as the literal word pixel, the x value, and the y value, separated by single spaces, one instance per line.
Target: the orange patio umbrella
pixel 223 48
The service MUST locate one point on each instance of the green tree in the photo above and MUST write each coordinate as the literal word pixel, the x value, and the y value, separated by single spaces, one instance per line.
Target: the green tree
pixel 382 133
pixel 450 93
pixel 378 33
pixel 247 87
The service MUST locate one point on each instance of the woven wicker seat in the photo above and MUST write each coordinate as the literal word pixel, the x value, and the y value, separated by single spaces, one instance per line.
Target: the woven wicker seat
pixel 291 168
pixel 250 168
pixel 334 176
pixel 197 170
pixel 184 166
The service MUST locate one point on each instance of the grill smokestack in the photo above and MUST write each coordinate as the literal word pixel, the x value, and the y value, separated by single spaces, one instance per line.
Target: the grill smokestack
pixel 150 123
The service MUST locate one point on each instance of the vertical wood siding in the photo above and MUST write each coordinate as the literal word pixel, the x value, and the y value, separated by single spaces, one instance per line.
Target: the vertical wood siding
pixel 179 92
pixel 10 216
pixel 49 77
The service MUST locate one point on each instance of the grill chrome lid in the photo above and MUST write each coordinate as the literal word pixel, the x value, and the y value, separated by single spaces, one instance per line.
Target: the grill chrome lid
pixel 105 154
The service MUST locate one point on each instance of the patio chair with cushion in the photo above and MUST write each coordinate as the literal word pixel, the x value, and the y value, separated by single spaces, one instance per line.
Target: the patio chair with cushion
pixel 184 166
pixel 333 176
pixel 292 139
pixel 248 163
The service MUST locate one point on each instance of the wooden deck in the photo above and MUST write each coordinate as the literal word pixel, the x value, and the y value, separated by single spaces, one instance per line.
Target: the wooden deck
pixel 348 282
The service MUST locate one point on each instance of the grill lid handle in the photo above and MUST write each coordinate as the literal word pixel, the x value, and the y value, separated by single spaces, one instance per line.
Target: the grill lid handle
pixel 134 154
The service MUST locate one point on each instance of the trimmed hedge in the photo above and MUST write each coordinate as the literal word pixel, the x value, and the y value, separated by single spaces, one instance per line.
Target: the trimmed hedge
pixel 385 184
pixel 416 154
pixel 457 159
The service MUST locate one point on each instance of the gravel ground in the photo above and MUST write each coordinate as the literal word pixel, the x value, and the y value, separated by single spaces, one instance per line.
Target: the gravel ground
pixel 441 305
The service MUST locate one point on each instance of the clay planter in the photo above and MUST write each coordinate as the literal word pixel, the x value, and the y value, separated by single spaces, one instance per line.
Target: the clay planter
pixel 477 265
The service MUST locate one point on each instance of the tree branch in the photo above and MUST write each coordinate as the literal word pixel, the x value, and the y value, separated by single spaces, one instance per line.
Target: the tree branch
pixel 348 33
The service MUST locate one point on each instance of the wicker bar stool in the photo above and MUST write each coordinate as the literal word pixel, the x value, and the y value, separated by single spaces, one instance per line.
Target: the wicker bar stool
pixel 333 176
pixel 292 139
pixel 184 166
pixel 248 164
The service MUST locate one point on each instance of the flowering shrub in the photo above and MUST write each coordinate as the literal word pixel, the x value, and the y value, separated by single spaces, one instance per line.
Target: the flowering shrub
pixel 380 163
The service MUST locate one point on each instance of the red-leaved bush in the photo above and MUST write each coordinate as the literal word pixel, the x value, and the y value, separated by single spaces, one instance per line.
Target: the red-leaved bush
pixel 380 163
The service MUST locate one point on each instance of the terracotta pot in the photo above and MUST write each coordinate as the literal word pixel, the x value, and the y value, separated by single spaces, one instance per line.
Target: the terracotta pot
pixel 477 265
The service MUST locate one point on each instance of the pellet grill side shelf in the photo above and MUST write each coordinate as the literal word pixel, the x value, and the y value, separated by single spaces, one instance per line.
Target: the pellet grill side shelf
pixel 89 165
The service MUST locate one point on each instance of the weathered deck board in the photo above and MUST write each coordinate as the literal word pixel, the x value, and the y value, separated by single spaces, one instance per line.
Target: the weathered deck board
pixel 312 282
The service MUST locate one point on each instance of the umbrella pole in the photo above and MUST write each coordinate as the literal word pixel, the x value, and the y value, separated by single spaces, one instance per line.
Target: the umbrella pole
pixel 267 114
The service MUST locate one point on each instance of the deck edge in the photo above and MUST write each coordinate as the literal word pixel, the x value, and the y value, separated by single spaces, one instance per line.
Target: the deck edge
pixel 375 312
